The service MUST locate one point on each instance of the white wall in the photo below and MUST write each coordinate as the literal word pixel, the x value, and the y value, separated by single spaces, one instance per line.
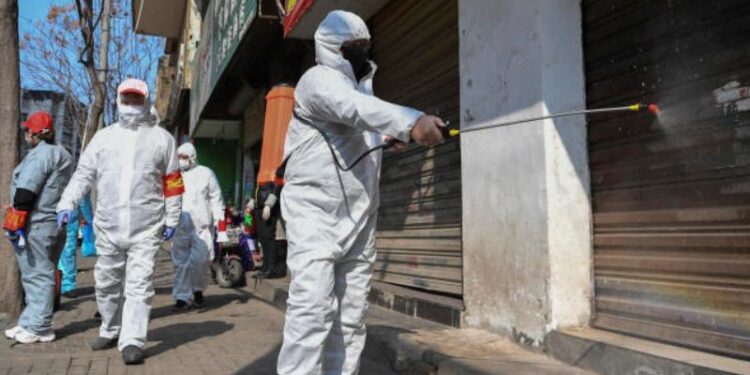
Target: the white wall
pixel 527 221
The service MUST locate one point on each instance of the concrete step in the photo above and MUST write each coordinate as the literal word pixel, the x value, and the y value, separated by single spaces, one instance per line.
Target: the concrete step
pixel 417 346
pixel 609 353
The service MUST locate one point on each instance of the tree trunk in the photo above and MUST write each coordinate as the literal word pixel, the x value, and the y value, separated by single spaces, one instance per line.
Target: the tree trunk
pixel 10 285
pixel 88 28
pixel 104 56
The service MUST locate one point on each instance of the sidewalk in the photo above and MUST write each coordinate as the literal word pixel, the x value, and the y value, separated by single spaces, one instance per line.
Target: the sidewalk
pixel 415 346
pixel 239 332
pixel 234 334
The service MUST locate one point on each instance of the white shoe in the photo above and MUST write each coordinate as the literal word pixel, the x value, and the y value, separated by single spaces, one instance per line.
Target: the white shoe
pixel 26 337
pixel 10 334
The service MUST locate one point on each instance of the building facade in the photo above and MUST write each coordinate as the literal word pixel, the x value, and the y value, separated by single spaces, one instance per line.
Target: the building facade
pixel 66 113
pixel 630 223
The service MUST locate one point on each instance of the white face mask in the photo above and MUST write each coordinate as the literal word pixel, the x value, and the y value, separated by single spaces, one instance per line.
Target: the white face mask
pixel 132 115
pixel 131 109
pixel 184 164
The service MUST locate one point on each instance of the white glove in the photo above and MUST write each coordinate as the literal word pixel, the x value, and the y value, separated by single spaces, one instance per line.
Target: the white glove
pixel 221 233
pixel 222 237
pixel 266 213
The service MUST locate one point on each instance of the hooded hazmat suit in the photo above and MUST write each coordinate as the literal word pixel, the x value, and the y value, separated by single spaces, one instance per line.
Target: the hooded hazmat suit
pixel 331 214
pixel 131 162
pixel 193 245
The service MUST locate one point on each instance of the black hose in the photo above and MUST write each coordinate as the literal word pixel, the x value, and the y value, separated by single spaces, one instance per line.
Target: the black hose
pixel 338 163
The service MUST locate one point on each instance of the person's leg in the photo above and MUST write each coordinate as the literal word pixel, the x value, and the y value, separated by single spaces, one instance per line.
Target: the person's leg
pixel 270 252
pixel 267 238
pixel 139 291
pixel 352 286
pixel 200 253
pixel 38 278
pixel 109 273
pixel 67 264
pixel 279 269
pixel 310 311
pixel 182 290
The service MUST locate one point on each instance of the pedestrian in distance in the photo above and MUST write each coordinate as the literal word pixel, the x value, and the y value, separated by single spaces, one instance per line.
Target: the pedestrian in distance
pixel 193 245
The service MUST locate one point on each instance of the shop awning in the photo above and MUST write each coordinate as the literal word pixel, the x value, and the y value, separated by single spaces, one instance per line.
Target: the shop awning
pixel 304 16
pixel 159 17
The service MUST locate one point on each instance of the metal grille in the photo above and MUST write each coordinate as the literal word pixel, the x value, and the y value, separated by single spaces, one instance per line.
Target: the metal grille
pixel 419 226
pixel 671 195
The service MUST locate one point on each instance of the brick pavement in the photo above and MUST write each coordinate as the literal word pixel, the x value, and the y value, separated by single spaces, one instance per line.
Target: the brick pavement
pixel 234 334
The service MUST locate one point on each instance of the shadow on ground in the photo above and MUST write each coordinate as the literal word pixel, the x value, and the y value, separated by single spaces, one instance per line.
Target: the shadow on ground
pixel 265 365
pixel 212 302
pixel 376 358
pixel 190 332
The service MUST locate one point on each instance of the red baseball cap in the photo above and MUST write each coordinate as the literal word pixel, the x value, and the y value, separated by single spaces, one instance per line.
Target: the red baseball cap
pixel 133 86
pixel 38 122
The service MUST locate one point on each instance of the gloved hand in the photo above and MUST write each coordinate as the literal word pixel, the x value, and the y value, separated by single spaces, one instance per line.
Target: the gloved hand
pixel 266 213
pixel 221 232
pixel 168 233
pixel 63 217
pixel 17 238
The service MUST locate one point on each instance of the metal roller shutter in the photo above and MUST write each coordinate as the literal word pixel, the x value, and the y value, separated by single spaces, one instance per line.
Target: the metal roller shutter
pixel 671 195
pixel 419 227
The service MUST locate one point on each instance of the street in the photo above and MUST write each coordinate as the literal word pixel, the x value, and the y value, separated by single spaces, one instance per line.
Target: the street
pixel 233 334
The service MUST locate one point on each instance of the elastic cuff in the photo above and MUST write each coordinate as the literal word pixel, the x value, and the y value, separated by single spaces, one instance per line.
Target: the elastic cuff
pixel 63 207
pixel 405 136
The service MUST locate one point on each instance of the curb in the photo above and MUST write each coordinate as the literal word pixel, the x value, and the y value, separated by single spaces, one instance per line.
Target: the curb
pixel 415 346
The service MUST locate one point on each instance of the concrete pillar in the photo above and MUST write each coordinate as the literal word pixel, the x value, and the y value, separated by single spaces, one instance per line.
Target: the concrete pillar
pixel 526 198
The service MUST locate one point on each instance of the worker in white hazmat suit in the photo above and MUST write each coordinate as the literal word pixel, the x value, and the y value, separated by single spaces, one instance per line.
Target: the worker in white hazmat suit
pixel 133 164
pixel 193 245
pixel 331 213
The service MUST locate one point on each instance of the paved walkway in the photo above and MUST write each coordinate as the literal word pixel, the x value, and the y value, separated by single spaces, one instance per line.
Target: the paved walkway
pixel 234 334
pixel 238 333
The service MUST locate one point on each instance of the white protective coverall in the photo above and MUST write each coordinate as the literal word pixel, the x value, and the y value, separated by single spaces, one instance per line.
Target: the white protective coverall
pixel 193 245
pixel 331 215
pixel 127 162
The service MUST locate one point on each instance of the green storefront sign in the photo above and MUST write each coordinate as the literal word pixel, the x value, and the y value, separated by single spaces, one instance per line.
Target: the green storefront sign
pixel 223 28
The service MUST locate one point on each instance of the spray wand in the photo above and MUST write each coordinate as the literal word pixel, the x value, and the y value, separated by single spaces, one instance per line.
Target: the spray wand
pixel 653 108
pixel 452 133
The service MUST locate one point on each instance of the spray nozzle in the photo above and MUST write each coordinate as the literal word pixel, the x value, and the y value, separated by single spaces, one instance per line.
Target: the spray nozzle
pixel 448 132
pixel 653 108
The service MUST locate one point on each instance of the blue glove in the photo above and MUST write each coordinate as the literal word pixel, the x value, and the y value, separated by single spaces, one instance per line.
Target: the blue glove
pixel 21 238
pixel 17 239
pixel 168 233
pixel 62 217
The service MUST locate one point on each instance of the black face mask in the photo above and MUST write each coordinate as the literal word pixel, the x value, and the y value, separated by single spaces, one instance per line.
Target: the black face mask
pixel 359 58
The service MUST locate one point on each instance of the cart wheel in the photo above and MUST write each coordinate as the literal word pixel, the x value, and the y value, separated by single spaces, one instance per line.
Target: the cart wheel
pixel 236 271
pixel 230 273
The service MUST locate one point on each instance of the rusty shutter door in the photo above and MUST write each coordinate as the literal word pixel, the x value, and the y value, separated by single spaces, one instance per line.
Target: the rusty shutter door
pixel 671 195
pixel 415 44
